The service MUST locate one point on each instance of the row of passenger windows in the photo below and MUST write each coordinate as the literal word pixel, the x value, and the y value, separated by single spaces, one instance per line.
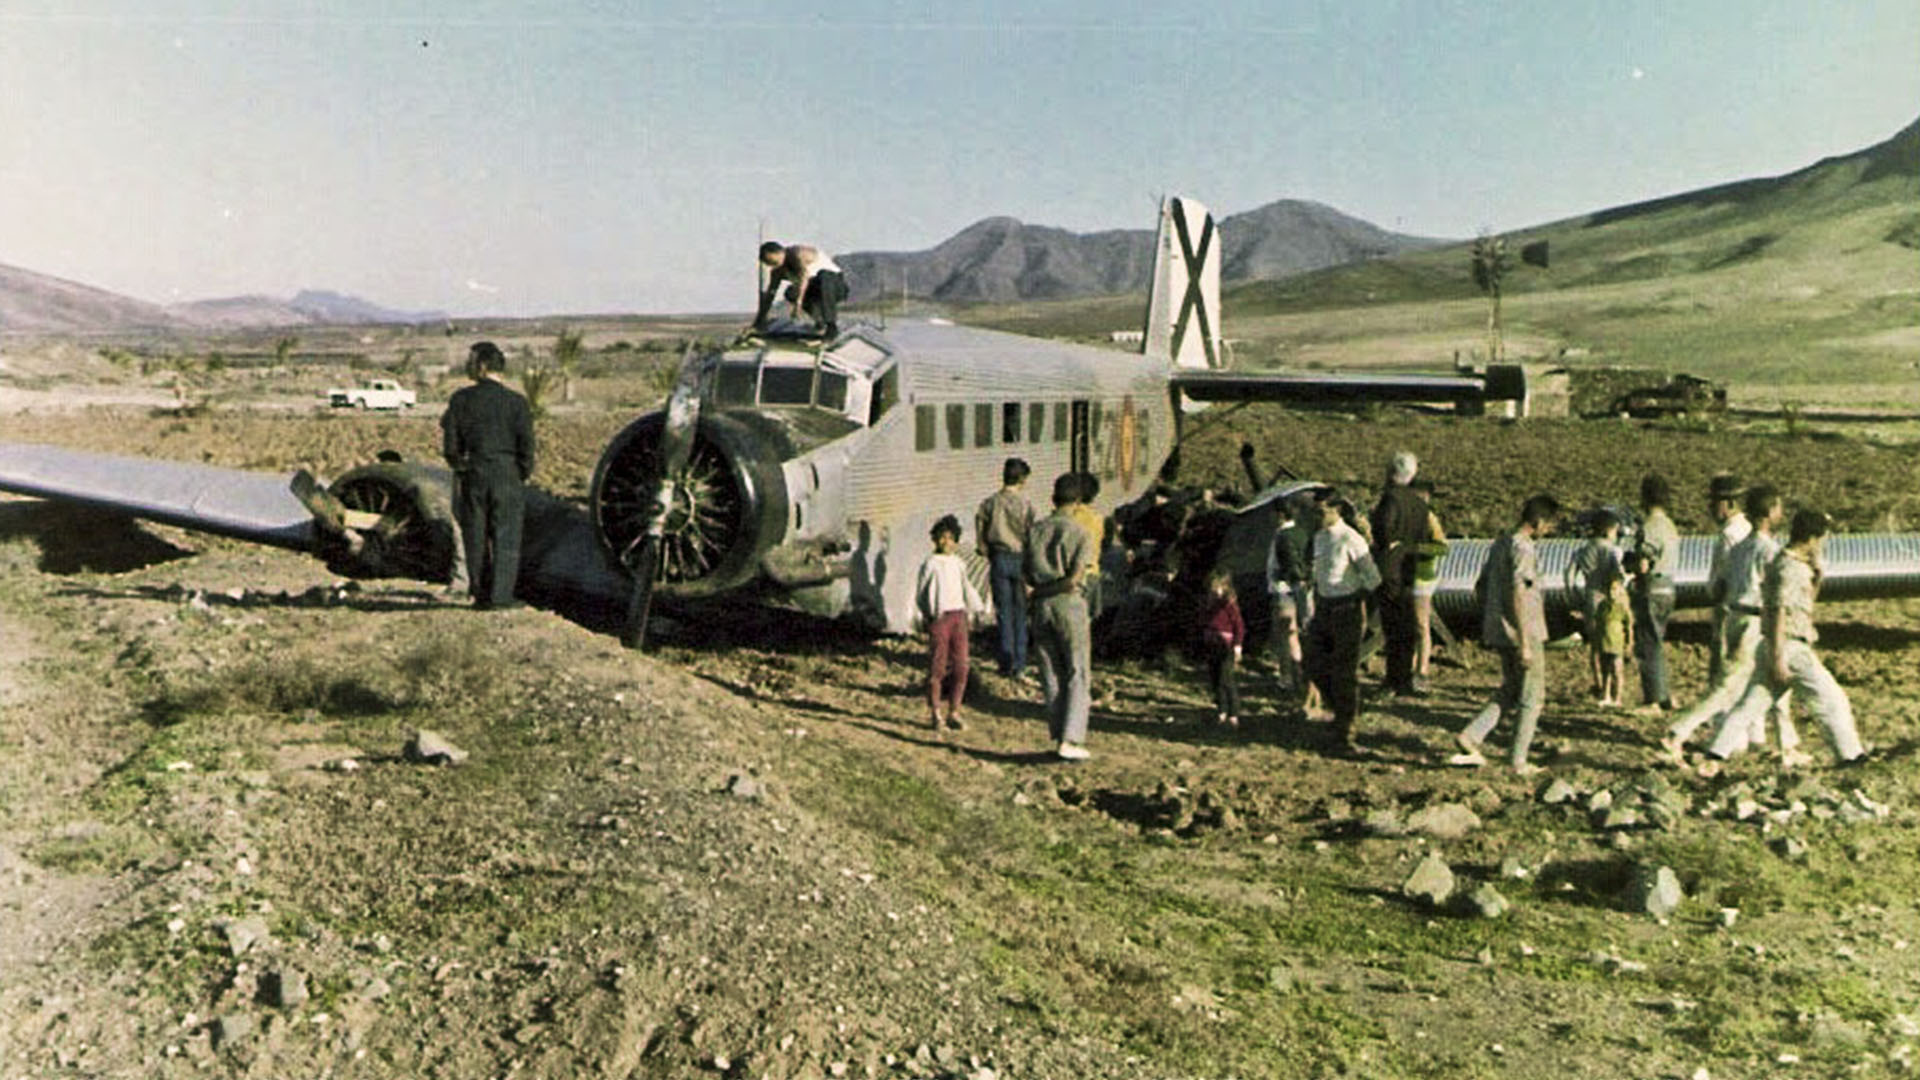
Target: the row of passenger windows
pixel 1013 422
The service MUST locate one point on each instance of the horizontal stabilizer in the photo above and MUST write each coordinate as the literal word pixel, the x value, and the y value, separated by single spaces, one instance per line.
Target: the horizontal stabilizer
pixel 1323 388
pixel 258 507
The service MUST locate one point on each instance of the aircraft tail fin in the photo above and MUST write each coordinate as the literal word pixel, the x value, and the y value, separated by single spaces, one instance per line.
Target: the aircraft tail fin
pixel 1183 313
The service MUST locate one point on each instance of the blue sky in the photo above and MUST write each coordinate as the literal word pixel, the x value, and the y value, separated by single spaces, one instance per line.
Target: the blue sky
pixel 494 158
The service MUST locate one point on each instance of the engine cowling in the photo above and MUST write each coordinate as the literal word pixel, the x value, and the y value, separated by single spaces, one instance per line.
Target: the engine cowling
pixel 728 509
pixel 414 536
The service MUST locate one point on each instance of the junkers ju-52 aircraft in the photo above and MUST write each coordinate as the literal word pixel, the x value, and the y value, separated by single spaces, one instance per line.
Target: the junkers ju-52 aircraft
pixel 805 473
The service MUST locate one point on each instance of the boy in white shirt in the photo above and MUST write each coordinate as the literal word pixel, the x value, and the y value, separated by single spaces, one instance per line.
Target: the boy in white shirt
pixel 946 597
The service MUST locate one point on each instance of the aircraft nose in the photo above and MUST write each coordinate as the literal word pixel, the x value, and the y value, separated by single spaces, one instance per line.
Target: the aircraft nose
pixel 724 509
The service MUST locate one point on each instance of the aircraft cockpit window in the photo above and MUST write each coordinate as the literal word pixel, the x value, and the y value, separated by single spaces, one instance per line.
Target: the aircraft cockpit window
pixel 736 383
pixel 833 391
pixel 786 386
pixel 886 394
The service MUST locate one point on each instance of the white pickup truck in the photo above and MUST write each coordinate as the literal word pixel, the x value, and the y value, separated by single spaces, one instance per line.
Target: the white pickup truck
pixel 376 394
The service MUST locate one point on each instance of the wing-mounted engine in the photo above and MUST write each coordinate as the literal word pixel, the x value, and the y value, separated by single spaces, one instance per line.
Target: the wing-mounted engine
pixel 725 508
pixel 386 519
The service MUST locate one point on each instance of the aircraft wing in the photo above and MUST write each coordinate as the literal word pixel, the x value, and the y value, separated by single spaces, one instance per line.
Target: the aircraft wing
pixel 1499 383
pixel 259 507
pixel 1859 566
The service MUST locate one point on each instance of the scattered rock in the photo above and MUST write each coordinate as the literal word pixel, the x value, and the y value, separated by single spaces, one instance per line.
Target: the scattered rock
pixel 1558 791
pixel 1280 979
pixel 1431 882
pixel 742 786
pixel 1790 847
pixel 231 1029
pixel 1613 963
pixel 1620 817
pixel 1599 801
pixel 1444 821
pixel 1656 891
pixel 1512 867
pixel 244 935
pixel 431 748
pixel 1485 902
pixel 285 988
pixel 1383 823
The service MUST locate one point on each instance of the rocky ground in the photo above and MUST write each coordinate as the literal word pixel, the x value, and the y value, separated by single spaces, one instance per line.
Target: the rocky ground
pixel 225 851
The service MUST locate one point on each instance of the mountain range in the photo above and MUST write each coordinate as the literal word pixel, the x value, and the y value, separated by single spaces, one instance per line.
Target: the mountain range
pixel 1000 259
pixel 41 304
pixel 1279 256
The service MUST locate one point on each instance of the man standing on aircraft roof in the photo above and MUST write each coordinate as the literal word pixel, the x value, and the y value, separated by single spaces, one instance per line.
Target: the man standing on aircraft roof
pixel 815 284
pixel 1723 505
pixel 487 438
pixel 1001 524
pixel 1058 553
pixel 1399 528
pixel 1344 576
pixel 1514 624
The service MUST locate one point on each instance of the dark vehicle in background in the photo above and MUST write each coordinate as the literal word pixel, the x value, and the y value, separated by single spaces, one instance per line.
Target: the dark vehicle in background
pixel 1683 395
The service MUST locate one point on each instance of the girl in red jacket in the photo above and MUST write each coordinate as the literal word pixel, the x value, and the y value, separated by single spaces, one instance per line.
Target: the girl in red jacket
pixel 1222 633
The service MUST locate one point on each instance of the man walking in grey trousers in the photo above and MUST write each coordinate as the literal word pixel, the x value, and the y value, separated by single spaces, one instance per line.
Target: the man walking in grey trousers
pixel 1514 624
pixel 1057 556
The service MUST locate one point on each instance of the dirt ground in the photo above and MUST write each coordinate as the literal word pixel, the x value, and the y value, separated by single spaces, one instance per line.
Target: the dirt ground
pixel 746 857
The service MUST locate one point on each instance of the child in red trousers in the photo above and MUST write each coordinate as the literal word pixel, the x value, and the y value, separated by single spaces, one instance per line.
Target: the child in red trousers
pixel 946 596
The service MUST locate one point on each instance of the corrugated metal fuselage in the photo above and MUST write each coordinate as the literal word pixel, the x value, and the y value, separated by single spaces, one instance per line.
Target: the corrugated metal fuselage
pixel 968 399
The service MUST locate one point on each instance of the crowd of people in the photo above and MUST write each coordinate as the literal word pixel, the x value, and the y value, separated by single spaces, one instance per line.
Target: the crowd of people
pixel 1333 571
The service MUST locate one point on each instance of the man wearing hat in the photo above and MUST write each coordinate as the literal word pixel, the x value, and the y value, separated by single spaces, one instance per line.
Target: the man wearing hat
pixel 1723 504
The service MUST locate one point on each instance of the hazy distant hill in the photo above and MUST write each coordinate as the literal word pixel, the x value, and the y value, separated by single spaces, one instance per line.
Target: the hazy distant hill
pixel 333 307
pixel 308 307
pixel 1000 260
pixel 37 303
pixel 1808 278
pixel 1835 211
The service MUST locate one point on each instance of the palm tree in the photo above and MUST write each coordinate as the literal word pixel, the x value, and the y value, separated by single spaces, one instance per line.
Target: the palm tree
pixel 1490 264
pixel 567 350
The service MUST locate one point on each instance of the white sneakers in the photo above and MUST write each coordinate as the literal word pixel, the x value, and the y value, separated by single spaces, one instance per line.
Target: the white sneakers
pixel 1073 752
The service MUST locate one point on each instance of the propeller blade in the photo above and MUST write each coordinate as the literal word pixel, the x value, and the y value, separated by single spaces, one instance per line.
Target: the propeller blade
pixel 640 602
pixel 683 410
pixel 674 451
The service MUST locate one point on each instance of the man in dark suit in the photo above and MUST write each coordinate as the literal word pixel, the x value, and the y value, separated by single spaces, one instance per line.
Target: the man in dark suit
pixel 1399 528
pixel 487 437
